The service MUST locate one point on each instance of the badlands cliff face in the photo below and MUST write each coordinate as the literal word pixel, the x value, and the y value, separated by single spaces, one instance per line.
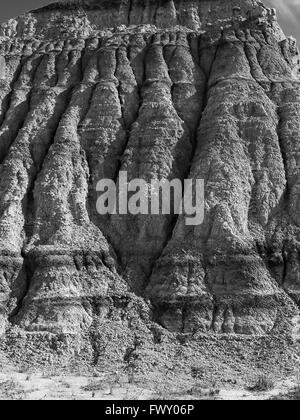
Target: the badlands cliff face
pixel 168 89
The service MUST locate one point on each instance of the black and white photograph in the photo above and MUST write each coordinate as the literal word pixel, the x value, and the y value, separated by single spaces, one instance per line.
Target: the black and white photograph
pixel 150 203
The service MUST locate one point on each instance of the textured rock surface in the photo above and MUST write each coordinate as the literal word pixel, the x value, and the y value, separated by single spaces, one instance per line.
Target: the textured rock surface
pixel 168 89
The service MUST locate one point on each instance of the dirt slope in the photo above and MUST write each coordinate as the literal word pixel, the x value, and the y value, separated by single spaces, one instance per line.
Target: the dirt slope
pixel 160 89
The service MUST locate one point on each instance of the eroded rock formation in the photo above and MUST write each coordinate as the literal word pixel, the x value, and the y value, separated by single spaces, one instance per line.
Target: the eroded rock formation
pixel 160 88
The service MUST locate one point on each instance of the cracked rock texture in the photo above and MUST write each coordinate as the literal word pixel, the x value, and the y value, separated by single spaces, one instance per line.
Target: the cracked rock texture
pixel 160 88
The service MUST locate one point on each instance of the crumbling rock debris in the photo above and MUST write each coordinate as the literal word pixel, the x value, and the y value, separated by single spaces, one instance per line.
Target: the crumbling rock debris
pixel 170 89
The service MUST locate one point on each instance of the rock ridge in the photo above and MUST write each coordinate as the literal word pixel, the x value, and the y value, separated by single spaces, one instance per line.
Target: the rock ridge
pixel 167 89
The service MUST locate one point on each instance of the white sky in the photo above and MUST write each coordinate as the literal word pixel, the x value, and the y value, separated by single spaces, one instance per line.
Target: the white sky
pixel 289 14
